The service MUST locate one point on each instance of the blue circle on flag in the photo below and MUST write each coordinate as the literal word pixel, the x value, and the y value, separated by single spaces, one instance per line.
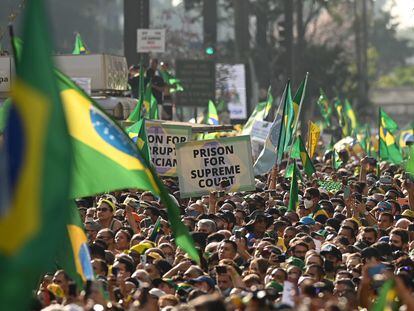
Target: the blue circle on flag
pixel 111 133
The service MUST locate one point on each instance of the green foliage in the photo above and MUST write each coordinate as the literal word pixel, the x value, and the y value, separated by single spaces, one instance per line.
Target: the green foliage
pixel 399 77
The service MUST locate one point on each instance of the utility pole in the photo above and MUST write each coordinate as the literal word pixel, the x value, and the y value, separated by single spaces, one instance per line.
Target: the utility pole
pixel 241 28
pixel 361 50
pixel 288 40
pixel 136 16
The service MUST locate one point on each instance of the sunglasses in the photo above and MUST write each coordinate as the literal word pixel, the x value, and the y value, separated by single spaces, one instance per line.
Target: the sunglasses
pixel 103 209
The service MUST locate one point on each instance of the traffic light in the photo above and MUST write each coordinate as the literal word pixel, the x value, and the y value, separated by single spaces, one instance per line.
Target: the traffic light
pixel 210 50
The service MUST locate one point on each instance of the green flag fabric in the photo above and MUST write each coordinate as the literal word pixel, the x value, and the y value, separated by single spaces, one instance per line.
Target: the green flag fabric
pixel 388 149
pixel 306 160
pixel 80 47
pixel 336 160
pixel 151 103
pixel 32 224
pixel 285 125
pixel 325 108
pixel 137 113
pixel 410 162
pixel 386 297
pixel 343 120
pixel 171 80
pixel 269 102
pixel 350 114
pixel 4 112
pixel 138 134
pixel 293 193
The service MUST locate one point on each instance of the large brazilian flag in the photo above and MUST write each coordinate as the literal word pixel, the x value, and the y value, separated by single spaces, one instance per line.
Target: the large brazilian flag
pixel 106 159
pixel 37 177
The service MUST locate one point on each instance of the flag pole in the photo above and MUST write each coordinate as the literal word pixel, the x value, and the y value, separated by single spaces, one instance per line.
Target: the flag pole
pixel 273 172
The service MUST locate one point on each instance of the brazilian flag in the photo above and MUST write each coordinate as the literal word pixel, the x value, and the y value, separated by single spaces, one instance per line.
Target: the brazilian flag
pixel 106 159
pixel 306 160
pixel 138 134
pixel 351 116
pixel 285 125
pixel 212 116
pixel 80 47
pixel 299 152
pixel 37 145
pixel 343 120
pixel 388 149
pixel 74 255
pixel 292 113
pixel 325 108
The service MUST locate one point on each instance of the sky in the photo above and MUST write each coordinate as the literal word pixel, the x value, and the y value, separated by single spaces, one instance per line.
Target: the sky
pixel 403 11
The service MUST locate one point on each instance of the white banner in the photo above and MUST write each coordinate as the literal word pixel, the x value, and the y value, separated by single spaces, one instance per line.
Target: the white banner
pixel 202 166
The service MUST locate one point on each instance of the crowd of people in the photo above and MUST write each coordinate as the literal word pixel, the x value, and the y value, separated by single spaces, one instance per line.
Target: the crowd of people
pixel 335 252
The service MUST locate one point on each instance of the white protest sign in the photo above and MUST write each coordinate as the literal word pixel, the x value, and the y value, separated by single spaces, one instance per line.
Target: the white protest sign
pixel 151 40
pixel 202 165
pixel 260 130
pixel 161 141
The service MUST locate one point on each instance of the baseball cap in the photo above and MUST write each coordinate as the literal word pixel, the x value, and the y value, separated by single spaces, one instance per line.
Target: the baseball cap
pixel 204 278
pixel 307 220
pixel 331 249
pixel 295 261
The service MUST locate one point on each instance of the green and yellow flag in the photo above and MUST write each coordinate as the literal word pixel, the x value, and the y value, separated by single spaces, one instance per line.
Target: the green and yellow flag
pixel 292 110
pixel 351 116
pixel 293 193
pixel 386 297
pixel 36 140
pixel 73 256
pixel 325 108
pixel 410 162
pixel 80 47
pixel 138 134
pixel 171 80
pixel 388 149
pixel 343 120
pixel 306 160
pixel 212 116
pixel 285 125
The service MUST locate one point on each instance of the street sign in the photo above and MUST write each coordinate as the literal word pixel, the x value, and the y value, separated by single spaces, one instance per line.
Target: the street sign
pixel 198 80
pixel 151 40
